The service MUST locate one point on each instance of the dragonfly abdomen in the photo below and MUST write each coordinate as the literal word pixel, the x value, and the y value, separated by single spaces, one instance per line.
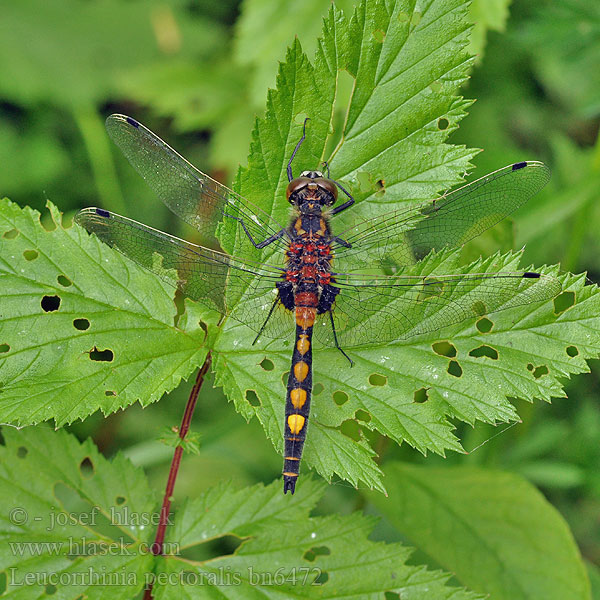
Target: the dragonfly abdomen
pixel 299 387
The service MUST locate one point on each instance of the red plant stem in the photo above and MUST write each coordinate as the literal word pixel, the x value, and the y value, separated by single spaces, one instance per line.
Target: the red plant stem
pixel 157 546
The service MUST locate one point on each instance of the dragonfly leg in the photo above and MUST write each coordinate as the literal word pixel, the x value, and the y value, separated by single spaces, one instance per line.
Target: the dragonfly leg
pixel 347 204
pixel 289 167
pixel 259 245
pixel 337 345
pixel 266 320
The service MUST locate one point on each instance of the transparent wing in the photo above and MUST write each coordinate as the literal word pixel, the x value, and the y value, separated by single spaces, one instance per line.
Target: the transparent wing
pixel 407 235
pixel 383 309
pixel 241 289
pixel 199 200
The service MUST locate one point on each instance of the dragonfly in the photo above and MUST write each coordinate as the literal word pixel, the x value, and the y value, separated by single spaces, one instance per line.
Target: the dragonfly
pixel 343 290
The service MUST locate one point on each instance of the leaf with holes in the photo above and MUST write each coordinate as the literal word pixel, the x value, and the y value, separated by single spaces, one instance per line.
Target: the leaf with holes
pixel 72 516
pixel 409 390
pixel 493 530
pixel 76 523
pixel 82 328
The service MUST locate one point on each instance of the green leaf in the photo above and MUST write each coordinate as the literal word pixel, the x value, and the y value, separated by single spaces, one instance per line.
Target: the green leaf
pixel 493 530
pixel 73 516
pixel 486 15
pixel 75 523
pixel 83 328
pixel 465 373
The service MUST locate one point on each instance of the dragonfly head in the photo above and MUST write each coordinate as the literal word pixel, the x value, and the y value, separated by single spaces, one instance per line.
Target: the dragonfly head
pixel 312 187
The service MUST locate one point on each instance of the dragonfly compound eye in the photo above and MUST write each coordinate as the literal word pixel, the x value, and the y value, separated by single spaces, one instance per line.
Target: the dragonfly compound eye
pixel 295 186
pixel 330 188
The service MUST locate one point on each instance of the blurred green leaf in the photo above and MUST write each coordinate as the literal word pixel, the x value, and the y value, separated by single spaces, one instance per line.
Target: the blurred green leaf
pixel 493 530
pixel 486 15
pixel 72 52
pixel 566 36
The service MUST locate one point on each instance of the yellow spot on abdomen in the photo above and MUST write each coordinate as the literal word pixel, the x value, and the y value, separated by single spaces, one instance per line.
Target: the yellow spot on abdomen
pixel 296 423
pixel 305 316
pixel 298 398
pixel 300 370
pixel 303 344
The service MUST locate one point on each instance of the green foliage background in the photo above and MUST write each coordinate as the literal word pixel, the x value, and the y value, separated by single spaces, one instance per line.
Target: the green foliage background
pixel 197 74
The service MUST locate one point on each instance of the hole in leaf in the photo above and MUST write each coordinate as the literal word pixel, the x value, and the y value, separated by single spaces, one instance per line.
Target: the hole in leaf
pixel 110 393
pixel 86 466
pixel 380 186
pixel 30 255
pixel 50 590
pixel 4 348
pixel 392 596
pixel 322 578
pixel 479 308
pixel 572 351
pixel 22 452
pixel 3 583
pixel 455 369
pixel 484 325
pixel 540 371
pixel 351 429
pixel 444 349
pixel 563 302
pixel 421 396
pixel 64 281
pixel 284 378
pixel 50 303
pixel 120 500
pixel 312 554
pixel 376 379
pixel 319 387
pixel 101 355
pixel 81 324
pixel 362 415
pixel 484 351
pixel 11 234
pixel 443 123
pixel 267 364
pixel 340 397
pixel 530 367
pixel 364 181
pixel 379 35
pixel 252 398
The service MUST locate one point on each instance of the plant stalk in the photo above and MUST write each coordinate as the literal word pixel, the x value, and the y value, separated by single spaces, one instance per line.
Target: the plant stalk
pixel 157 546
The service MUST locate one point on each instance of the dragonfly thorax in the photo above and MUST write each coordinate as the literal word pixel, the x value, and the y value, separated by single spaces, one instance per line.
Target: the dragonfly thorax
pixel 311 188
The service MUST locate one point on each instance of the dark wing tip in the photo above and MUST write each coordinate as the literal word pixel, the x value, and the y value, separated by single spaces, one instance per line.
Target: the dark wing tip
pixel 530 275
pixel 103 213
pixel 519 165
pixel 116 118
pixel 132 122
